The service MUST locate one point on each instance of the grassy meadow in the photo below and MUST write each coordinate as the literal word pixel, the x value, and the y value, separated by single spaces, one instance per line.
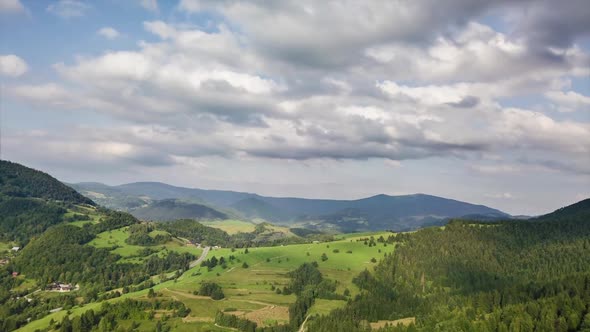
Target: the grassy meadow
pixel 231 226
pixel 248 290
pixel 130 253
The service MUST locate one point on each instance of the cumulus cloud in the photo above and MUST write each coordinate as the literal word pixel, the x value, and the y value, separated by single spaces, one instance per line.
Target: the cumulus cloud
pixel 569 101
pixel 11 6
pixel 12 66
pixel 108 33
pixel 327 80
pixel 543 24
pixel 356 25
pixel 68 8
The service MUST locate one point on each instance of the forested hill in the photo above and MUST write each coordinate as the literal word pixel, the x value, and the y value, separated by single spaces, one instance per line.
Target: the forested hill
pixel 19 181
pixel 32 201
pixel 470 276
pixel 170 209
pixel 577 211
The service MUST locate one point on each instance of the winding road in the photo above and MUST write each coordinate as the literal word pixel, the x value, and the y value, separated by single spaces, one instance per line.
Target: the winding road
pixel 201 258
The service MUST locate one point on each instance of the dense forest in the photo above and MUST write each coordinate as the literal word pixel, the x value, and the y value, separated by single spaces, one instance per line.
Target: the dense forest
pixel 196 232
pixel 23 218
pixel 31 201
pixel 19 181
pixel 467 276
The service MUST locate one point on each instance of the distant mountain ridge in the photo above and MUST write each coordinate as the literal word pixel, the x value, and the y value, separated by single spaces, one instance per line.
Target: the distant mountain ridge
pixel 377 212
pixel 171 209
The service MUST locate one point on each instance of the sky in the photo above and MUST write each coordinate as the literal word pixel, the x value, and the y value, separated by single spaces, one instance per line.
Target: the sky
pixel 482 101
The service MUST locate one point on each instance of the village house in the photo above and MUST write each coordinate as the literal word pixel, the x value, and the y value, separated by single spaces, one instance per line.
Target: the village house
pixel 15 248
pixel 60 287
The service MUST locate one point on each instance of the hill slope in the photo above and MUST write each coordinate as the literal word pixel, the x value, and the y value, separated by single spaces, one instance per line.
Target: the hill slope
pixel 527 276
pixel 32 201
pixel 19 181
pixel 109 197
pixel 170 209
pixel 579 210
pixel 378 212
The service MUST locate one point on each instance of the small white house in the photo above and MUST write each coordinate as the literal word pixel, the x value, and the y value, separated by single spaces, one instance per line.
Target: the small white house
pixel 15 248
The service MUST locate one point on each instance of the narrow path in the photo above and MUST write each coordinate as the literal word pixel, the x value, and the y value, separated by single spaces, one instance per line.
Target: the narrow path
pixel 187 295
pixel 254 302
pixel 225 327
pixel 302 328
pixel 201 258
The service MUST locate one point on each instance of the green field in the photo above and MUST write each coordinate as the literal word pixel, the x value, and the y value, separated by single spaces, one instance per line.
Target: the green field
pixel 130 252
pixel 247 290
pixel 231 226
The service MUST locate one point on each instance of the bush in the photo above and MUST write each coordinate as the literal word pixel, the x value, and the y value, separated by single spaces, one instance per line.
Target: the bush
pixel 211 289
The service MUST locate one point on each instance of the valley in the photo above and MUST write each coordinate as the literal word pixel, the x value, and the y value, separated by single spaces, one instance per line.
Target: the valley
pixel 294 166
pixel 115 272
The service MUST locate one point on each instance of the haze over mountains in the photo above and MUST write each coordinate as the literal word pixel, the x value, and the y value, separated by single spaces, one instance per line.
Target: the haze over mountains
pixel 159 201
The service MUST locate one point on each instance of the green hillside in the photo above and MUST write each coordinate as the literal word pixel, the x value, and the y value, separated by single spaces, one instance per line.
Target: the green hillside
pixel 577 211
pixel 32 201
pixel 508 276
pixel 19 181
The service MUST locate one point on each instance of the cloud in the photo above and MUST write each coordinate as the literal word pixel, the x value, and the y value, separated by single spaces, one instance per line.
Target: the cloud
pixel 11 6
pixel 323 34
pixel 476 53
pixel 12 66
pixel 546 25
pixel 99 153
pixel 151 5
pixel 500 196
pixel 68 8
pixel 353 81
pixel 466 102
pixel 569 101
pixel 109 33
pixel 496 169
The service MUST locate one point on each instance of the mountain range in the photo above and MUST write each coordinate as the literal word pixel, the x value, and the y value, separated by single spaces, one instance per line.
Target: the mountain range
pixel 406 212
